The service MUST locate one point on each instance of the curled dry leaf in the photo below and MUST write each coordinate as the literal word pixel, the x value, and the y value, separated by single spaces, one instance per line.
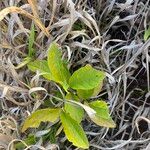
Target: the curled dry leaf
pixel 5 140
pixel 14 9
pixel 138 119
pixel 33 4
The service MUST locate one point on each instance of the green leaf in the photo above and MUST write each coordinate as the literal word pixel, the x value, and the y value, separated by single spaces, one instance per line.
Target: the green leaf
pixel 75 111
pixel 86 94
pixel 97 89
pixel 25 61
pixel 86 78
pixel 102 117
pixel 39 116
pixel 51 135
pixel 71 96
pixel 30 140
pixel 31 42
pixel 74 132
pixel 147 34
pixel 42 67
pixel 57 66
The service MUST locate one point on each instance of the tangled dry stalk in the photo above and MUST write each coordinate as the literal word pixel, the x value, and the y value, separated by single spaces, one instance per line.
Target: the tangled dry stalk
pixel 105 33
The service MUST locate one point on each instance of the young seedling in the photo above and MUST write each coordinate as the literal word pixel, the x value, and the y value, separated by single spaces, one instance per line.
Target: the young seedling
pixel 147 34
pixel 31 51
pixel 86 82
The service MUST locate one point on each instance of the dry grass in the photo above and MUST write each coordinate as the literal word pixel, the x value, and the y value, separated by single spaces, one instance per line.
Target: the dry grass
pixel 105 33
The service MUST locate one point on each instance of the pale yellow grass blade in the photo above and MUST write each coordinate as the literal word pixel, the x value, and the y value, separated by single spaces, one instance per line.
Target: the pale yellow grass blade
pixel 33 4
pixel 18 10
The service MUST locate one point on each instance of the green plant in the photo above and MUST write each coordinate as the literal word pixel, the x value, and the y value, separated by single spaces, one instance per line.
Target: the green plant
pixel 31 139
pixel 31 51
pixel 147 34
pixel 85 83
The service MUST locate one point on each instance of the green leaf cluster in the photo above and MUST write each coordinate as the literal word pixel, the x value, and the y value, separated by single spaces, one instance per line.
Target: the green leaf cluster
pixel 86 82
